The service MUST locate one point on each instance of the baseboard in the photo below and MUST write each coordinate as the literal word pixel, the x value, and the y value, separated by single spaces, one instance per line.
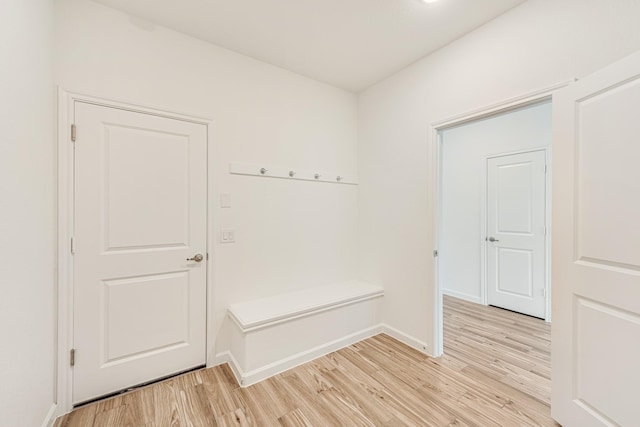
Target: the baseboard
pixel 51 416
pixel 246 379
pixel 219 359
pixel 227 357
pixel 421 346
pixel 462 295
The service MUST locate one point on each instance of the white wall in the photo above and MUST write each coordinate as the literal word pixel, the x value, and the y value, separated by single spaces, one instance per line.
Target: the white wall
pixel 465 150
pixel 289 234
pixel 536 45
pixel 27 213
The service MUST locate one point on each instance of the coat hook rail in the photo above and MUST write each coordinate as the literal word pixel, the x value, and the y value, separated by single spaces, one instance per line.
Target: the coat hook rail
pixel 289 173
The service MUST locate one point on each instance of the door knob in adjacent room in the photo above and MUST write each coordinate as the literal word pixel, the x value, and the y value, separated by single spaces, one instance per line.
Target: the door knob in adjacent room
pixel 493 239
pixel 196 258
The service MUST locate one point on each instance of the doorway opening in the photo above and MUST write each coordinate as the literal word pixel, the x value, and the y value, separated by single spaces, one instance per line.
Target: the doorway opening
pixel 493 243
pixel 493 188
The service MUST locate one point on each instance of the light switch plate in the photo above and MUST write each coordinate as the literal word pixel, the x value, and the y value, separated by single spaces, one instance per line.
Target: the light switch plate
pixel 225 200
pixel 227 236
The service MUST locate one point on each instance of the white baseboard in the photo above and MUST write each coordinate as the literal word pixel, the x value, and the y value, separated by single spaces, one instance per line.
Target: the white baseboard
pixel 421 346
pixel 246 379
pixel 51 416
pixel 219 359
pixel 227 357
pixel 462 295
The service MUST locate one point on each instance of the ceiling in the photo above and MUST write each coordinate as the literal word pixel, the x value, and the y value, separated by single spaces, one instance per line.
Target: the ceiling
pixel 350 44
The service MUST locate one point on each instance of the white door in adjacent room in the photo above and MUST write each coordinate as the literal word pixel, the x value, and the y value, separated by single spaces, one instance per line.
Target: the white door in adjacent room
pixel 596 249
pixel 140 226
pixel 516 232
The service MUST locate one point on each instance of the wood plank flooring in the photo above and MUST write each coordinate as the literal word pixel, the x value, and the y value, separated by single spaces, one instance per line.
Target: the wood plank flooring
pixel 495 372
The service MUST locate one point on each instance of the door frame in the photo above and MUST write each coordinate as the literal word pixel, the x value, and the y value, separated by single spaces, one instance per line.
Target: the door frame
pixel 484 282
pixel 65 220
pixel 435 150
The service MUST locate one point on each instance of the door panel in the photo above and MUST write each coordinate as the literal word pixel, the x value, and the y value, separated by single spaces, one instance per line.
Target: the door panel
pixel 516 220
pixel 136 187
pixel 597 349
pixel 607 179
pixel 140 213
pixel 596 261
pixel 164 325
pixel 515 271
pixel 514 198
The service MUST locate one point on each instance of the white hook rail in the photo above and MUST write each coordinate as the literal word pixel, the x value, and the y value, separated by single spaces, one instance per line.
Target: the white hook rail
pixel 292 173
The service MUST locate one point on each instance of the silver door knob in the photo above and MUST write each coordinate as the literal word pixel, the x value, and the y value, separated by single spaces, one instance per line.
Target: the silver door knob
pixel 196 258
pixel 493 239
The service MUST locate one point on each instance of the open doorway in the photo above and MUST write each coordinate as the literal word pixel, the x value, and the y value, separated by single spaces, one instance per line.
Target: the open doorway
pixel 493 245
pixel 493 207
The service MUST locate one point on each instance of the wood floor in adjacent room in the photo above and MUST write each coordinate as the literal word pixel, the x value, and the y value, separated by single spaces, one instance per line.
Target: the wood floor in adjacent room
pixel 495 372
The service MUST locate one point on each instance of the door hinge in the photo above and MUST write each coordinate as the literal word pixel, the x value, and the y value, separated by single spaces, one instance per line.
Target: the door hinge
pixel 72 249
pixel 435 253
pixel 72 357
pixel 544 292
pixel 545 169
pixel 73 133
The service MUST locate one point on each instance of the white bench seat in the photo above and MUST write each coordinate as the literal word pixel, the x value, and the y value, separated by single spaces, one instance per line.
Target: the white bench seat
pixel 270 335
pixel 252 315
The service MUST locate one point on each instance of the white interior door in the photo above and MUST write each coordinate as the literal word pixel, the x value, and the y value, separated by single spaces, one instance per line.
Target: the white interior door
pixel 140 212
pixel 516 232
pixel 596 249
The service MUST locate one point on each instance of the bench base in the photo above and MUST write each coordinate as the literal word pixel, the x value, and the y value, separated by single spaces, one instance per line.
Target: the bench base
pixel 259 352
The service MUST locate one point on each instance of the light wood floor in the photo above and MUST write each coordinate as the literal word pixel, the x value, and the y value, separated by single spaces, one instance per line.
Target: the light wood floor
pixel 495 372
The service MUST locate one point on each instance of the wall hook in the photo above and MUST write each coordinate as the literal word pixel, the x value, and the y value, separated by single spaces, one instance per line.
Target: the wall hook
pixel 265 170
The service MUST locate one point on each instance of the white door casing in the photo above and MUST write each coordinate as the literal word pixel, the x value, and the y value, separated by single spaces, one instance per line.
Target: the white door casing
pixel 596 249
pixel 140 204
pixel 516 240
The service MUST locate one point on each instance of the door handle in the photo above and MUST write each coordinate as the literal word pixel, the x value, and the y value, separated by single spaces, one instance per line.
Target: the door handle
pixel 493 239
pixel 196 258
